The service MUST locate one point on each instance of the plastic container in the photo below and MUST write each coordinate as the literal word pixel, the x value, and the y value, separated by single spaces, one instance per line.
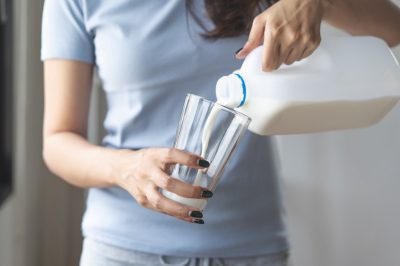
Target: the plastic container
pixel 348 82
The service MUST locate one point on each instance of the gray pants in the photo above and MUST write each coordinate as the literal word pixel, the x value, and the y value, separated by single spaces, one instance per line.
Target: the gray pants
pixel 98 254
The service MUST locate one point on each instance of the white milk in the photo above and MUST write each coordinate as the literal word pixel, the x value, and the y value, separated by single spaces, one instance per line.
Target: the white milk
pixel 280 117
pixel 201 177
pixel 197 203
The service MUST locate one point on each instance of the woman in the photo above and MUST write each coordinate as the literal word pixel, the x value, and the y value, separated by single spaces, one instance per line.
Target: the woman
pixel 149 55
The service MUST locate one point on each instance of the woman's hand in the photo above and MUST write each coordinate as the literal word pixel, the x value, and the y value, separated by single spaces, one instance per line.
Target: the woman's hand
pixel 142 173
pixel 290 30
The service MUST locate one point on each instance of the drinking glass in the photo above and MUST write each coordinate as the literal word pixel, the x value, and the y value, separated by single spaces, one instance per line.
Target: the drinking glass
pixel 212 131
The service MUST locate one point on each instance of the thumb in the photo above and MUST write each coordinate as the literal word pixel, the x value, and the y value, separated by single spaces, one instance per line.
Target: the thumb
pixel 255 37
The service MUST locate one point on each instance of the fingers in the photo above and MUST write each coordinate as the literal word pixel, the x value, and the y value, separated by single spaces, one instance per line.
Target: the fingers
pixel 308 51
pixel 145 175
pixel 255 37
pixel 170 207
pixel 294 55
pixel 286 29
pixel 292 49
pixel 272 58
pixel 179 187
pixel 311 46
pixel 176 156
pixel 303 49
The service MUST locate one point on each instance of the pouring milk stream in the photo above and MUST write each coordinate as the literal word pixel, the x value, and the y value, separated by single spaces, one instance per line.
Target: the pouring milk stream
pixel 201 176
pixel 348 82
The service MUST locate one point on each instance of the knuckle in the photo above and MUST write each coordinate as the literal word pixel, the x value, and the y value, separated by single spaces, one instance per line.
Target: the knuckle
pixel 191 160
pixel 195 192
pixel 317 40
pixel 267 67
pixel 292 36
pixel 272 22
pixel 183 211
pixel 169 183
pixel 274 28
pixel 169 153
pixel 163 181
pixel 157 201
pixel 141 200
pixel 274 32
pixel 307 38
pixel 258 21
pixel 289 62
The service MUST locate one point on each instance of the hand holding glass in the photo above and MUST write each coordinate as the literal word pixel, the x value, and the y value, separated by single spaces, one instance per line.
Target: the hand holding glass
pixel 212 131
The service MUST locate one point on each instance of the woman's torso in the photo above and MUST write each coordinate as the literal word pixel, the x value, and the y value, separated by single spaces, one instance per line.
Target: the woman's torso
pixel 149 55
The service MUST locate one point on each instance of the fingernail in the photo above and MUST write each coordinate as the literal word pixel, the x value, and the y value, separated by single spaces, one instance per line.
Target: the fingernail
pixel 199 221
pixel 238 51
pixel 206 194
pixel 203 163
pixel 195 214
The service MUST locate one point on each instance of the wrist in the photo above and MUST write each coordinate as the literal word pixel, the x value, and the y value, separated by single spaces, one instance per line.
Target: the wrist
pixel 120 168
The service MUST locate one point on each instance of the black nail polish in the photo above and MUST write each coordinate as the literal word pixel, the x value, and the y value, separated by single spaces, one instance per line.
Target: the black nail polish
pixel 195 214
pixel 199 221
pixel 206 194
pixel 238 51
pixel 203 163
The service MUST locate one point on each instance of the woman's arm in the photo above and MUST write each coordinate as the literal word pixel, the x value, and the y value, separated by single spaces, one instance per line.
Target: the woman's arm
pixel 69 155
pixel 290 29
pixel 380 18
pixel 65 149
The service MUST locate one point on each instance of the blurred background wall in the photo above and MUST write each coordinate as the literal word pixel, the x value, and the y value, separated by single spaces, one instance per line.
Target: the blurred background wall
pixel 342 190
pixel 40 222
pixel 342 193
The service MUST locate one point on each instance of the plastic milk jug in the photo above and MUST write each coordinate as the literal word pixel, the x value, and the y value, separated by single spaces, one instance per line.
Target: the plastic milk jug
pixel 348 82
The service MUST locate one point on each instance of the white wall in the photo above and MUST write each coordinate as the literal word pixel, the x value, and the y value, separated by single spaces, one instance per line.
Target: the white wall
pixel 342 193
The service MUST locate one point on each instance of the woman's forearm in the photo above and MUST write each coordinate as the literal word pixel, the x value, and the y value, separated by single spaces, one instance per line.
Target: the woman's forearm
pixel 380 18
pixel 80 163
pixel 66 151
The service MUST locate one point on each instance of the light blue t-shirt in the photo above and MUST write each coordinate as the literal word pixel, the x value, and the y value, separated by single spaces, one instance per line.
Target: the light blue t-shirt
pixel 149 55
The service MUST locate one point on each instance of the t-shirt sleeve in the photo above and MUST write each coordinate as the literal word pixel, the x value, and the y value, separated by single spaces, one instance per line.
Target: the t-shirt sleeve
pixel 64 35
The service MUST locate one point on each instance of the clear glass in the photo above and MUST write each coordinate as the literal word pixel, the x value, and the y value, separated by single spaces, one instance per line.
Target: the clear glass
pixel 212 131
